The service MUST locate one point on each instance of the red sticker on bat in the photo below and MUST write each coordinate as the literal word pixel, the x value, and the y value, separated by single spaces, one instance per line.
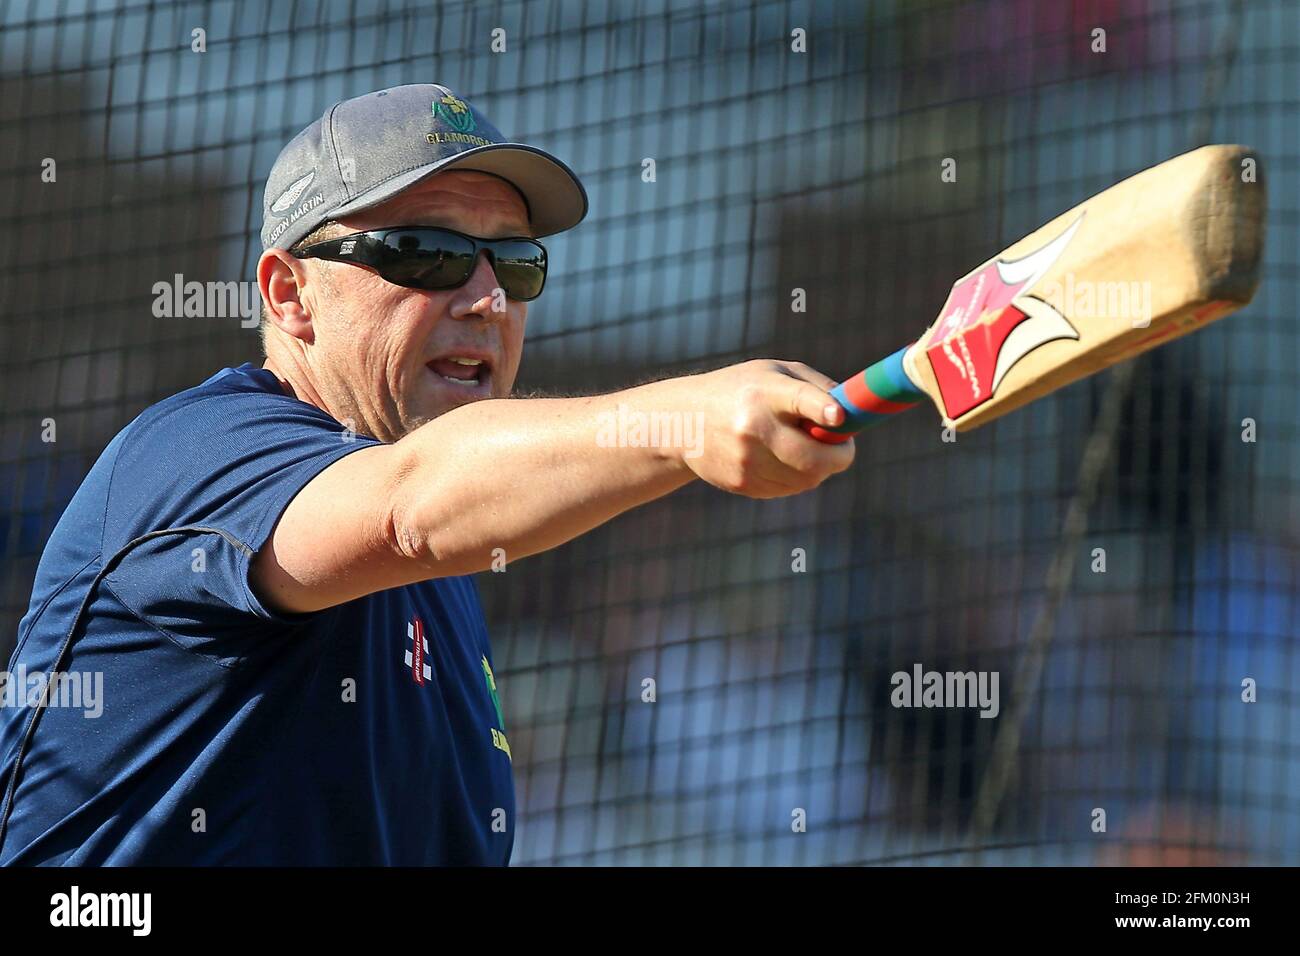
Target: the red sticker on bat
pixel 990 322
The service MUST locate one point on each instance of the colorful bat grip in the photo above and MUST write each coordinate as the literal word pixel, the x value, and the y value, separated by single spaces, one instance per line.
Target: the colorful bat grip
pixel 873 395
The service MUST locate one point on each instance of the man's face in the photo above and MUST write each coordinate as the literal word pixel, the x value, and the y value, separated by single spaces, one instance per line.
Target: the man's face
pixel 385 354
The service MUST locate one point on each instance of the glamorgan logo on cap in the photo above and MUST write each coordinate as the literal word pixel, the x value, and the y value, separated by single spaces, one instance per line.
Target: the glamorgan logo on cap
pixel 452 111
pixel 455 112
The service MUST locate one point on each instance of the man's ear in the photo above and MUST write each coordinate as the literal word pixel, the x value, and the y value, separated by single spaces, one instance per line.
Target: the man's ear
pixel 281 277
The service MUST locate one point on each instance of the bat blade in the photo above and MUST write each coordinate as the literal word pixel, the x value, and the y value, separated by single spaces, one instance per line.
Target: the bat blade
pixel 1154 257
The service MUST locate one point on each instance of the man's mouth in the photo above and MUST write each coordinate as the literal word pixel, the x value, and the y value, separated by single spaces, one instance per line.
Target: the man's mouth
pixel 461 370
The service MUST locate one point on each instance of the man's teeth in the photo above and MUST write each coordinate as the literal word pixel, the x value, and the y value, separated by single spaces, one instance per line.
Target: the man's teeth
pixel 468 362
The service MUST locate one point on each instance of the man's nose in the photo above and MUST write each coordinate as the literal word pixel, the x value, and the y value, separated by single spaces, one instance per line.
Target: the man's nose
pixel 482 284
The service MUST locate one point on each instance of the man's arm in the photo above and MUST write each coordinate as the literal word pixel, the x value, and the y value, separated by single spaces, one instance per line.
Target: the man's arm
pixel 526 475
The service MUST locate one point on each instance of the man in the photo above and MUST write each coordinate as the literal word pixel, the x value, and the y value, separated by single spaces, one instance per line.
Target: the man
pixel 271 571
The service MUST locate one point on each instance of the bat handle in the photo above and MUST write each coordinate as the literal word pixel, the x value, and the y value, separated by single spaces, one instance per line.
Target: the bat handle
pixel 876 393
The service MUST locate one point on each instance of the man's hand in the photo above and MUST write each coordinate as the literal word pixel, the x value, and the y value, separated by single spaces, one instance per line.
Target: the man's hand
pixel 753 442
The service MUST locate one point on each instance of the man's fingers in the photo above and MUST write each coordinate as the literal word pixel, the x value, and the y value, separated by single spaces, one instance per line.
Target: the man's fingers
pixel 805 400
pixel 760 448
pixel 811 458
pixel 808 374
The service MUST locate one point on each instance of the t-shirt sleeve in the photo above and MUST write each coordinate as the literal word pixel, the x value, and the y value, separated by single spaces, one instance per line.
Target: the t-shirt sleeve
pixel 203 483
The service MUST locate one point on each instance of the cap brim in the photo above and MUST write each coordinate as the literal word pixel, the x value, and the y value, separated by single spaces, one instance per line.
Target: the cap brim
pixel 555 197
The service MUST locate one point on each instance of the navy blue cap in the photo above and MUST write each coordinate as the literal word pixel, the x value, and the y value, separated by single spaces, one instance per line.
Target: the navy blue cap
pixel 366 150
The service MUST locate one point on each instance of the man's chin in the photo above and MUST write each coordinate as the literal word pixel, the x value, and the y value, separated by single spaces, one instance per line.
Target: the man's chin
pixel 439 397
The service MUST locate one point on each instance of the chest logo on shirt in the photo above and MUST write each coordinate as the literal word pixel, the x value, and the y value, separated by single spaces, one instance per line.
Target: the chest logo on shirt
pixel 498 735
pixel 417 652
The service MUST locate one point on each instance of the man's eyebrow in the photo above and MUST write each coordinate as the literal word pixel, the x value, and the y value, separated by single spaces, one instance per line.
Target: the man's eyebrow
pixel 513 228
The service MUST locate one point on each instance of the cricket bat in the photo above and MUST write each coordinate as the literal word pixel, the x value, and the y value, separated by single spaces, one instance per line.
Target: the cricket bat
pixel 1154 257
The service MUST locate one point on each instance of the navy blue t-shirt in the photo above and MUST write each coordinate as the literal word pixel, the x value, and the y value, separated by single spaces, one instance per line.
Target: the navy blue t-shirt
pixel 228 733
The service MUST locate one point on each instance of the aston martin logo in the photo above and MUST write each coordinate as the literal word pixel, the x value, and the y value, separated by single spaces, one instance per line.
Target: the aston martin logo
pixel 289 198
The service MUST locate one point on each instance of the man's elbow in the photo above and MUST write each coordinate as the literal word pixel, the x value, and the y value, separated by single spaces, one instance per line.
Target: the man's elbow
pixel 422 526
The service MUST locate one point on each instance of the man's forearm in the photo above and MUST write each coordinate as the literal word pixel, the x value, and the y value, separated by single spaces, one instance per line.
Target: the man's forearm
pixel 526 475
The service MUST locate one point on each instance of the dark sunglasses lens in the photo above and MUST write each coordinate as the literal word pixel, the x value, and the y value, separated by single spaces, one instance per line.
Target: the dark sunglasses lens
pixel 521 268
pixel 427 258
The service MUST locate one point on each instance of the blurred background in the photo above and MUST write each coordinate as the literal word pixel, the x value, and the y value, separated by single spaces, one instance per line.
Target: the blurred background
pixel 776 170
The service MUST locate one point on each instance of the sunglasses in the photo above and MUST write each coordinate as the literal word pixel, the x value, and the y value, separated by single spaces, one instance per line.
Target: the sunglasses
pixel 428 257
